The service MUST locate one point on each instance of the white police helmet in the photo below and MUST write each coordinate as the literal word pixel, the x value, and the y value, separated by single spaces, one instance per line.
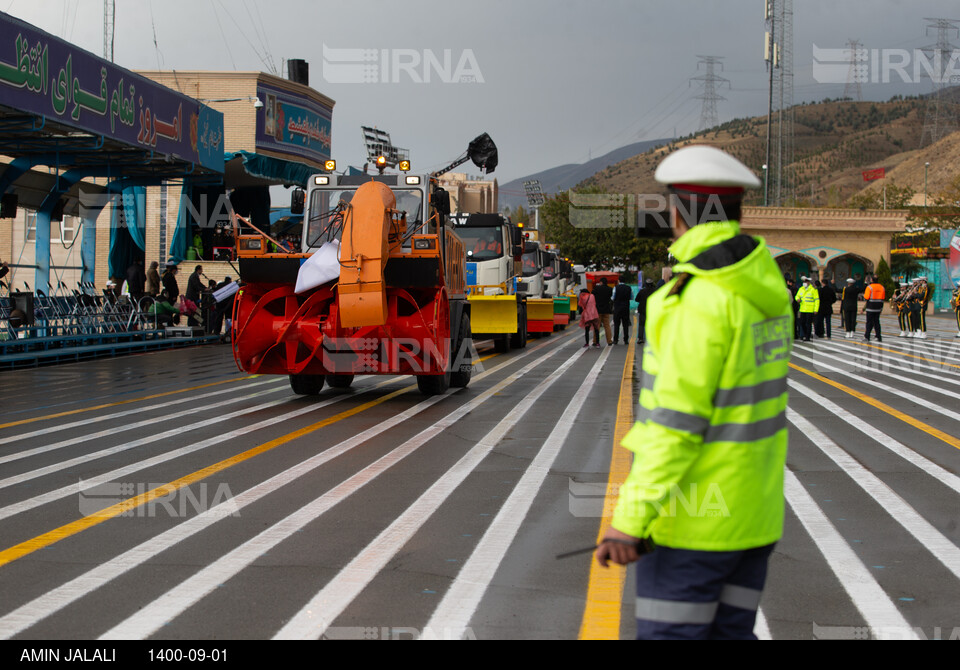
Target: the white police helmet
pixel 703 165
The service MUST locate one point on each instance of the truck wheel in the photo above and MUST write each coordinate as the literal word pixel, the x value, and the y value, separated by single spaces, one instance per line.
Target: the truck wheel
pixel 519 339
pixel 460 377
pixel 306 384
pixel 339 381
pixel 433 384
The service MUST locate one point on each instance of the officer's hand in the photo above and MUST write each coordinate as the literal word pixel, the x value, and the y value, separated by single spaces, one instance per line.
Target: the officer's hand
pixel 617 547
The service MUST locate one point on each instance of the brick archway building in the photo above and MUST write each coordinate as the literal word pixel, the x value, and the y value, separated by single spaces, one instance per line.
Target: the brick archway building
pixel 832 243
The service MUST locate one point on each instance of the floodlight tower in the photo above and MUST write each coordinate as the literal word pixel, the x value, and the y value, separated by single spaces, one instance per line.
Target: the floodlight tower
pixel 109 27
pixel 380 150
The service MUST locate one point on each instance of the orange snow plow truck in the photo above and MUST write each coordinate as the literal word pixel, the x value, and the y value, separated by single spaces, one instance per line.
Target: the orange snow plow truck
pixel 376 288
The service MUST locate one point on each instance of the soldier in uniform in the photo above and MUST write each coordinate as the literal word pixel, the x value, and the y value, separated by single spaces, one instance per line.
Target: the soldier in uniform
pixel 918 308
pixel 900 304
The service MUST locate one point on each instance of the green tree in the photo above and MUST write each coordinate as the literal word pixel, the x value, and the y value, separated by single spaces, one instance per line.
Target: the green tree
pixel 604 236
pixel 884 277
pixel 521 215
pixel 905 265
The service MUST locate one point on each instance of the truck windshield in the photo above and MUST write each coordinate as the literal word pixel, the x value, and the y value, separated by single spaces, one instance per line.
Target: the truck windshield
pixel 481 244
pixel 327 208
pixel 530 264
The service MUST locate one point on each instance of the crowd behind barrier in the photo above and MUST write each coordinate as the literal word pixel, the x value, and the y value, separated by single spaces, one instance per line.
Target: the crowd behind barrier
pixel 61 322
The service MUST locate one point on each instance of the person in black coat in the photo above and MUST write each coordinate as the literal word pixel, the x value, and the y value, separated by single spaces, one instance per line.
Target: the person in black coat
pixel 622 295
pixel 603 294
pixel 848 307
pixel 195 284
pixel 136 280
pixel 822 324
pixel 169 282
pixel 642 296
pixel 793 287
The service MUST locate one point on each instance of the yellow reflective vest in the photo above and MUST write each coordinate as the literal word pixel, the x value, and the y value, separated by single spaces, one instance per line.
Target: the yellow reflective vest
pixel 809 298
pixel 710 441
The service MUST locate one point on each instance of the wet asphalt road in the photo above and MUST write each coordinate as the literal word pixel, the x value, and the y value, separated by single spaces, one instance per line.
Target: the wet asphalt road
pixel 169 496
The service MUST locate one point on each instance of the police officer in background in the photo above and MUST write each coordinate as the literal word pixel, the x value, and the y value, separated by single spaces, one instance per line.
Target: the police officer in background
pixel 809 300
pixel 874 295
pixel 849 300
pixel 712 424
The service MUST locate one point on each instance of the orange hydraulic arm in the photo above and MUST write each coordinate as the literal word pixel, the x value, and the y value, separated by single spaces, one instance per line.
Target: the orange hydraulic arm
pixel 364 251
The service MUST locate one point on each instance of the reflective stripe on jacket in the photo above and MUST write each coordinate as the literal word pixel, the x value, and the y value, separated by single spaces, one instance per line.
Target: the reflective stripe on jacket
pixel 874 295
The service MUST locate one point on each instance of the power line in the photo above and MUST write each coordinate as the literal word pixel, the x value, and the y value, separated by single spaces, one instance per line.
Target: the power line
pixel 226 42
pixel 940 117
pixel 858 71
pixel 708 114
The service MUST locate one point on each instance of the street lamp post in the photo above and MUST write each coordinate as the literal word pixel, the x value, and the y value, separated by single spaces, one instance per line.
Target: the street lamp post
pixel 926 166
pixel 764 184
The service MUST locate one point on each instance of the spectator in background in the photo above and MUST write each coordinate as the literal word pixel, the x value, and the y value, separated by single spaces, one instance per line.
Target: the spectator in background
pixel 603 295
pixel 169 282
pixel 195 284
pixel 166 312
pixel 622 295
pixel 152 282
pixel 4 269
pixel 665 276
pixel 848 307
pixel 822 324
pixel 223 310
pixel 136 280
pixel 589 318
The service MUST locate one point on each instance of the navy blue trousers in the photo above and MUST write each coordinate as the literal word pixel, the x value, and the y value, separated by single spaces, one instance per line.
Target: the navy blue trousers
pixel 700 595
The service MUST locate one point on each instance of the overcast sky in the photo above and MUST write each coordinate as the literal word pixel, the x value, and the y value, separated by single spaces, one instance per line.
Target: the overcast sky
pixel 552 81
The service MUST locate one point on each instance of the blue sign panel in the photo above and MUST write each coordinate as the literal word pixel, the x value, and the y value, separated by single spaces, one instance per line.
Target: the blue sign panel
pixel 293 124
pixel 46 76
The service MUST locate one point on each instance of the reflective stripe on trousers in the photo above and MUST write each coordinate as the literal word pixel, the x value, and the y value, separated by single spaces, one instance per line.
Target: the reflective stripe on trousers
pixel 685 594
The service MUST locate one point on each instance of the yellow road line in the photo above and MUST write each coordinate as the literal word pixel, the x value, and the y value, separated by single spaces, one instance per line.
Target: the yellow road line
pixel 901 353
pixel 123 402
pixel 906 418
pixel 29 546
pixel 601 615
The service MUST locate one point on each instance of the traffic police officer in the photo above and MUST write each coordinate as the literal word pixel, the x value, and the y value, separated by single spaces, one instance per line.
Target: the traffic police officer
pixel 706 486
pixel 809 299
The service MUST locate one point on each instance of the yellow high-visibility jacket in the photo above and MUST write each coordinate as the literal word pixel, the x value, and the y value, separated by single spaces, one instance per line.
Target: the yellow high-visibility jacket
pixel 809 298
pixel 710 442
